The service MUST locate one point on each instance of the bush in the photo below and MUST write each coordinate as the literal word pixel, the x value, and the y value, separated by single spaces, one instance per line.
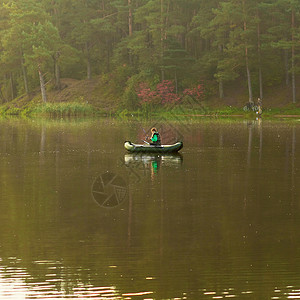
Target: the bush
pixel 161 95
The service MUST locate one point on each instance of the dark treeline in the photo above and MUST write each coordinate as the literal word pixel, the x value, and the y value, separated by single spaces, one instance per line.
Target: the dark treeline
pixel 133 41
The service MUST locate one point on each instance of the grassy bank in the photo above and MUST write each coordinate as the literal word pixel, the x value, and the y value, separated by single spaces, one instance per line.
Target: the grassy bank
pixel 183 112
pixel 69 109
pixel 50 110
pixel 95 97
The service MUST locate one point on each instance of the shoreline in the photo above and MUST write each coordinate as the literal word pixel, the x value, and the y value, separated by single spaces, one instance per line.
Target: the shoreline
pixel 85 109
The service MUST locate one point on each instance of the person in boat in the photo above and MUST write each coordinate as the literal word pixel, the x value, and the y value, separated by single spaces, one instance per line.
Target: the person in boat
pixel 259 106
pixel 155 137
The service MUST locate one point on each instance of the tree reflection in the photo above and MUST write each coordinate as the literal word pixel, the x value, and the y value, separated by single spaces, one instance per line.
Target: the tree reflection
pixel 293 159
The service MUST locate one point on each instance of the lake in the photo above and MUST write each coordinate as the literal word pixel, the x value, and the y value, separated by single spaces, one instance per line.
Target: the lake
pixel 83 219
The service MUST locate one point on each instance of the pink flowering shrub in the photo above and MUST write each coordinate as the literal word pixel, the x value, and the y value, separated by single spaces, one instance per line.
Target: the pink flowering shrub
pixel 164 93
pixel 197 93
pixel 145 94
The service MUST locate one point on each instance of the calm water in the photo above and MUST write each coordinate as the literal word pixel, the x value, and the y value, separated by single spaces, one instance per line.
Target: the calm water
pixel 80 218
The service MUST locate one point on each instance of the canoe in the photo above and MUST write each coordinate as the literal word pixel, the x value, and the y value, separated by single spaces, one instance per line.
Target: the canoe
pixel 131 147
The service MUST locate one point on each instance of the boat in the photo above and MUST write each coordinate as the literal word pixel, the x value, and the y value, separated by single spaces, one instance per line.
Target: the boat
pixel 131 147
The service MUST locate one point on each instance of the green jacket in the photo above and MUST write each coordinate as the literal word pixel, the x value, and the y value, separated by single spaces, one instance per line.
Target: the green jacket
pixel 155 138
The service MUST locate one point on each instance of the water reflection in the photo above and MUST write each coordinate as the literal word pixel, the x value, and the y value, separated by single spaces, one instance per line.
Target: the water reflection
pixel 17 283
pixel 184 232
pixel 152 163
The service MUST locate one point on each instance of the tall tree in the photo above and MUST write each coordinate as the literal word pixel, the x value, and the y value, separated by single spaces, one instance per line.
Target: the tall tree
pixel 285 34
pixel 40 38
pixel 12 52
pixel 236 17
pixel 213 36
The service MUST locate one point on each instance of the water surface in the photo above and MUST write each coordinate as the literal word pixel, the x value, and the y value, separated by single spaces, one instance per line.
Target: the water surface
pixel 81 218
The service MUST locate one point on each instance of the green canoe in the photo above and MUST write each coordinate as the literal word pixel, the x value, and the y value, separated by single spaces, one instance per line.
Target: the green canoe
pixel 153 149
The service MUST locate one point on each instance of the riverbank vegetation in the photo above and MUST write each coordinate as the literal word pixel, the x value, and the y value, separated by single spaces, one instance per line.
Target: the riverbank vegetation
pixel 82 57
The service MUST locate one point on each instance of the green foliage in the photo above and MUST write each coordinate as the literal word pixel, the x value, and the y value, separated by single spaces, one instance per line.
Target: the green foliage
pixel 130 98
pixel 184 41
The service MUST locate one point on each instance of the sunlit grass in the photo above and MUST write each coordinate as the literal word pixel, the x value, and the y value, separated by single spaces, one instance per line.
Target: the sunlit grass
pixel 62 109
pixel 289 110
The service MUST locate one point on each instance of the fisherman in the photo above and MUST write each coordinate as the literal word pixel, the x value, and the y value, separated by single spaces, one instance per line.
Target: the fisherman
pixel 259 106
pixel 155 138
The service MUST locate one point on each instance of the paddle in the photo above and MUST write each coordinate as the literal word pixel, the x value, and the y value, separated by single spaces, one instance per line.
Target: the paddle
pixel 146 136
pixel 144 130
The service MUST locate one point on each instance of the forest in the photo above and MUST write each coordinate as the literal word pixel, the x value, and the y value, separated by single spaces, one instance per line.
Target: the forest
pixel 148 47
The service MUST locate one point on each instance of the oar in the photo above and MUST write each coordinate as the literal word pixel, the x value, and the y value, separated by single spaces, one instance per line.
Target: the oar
pixel 145 132
pixel 146 136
